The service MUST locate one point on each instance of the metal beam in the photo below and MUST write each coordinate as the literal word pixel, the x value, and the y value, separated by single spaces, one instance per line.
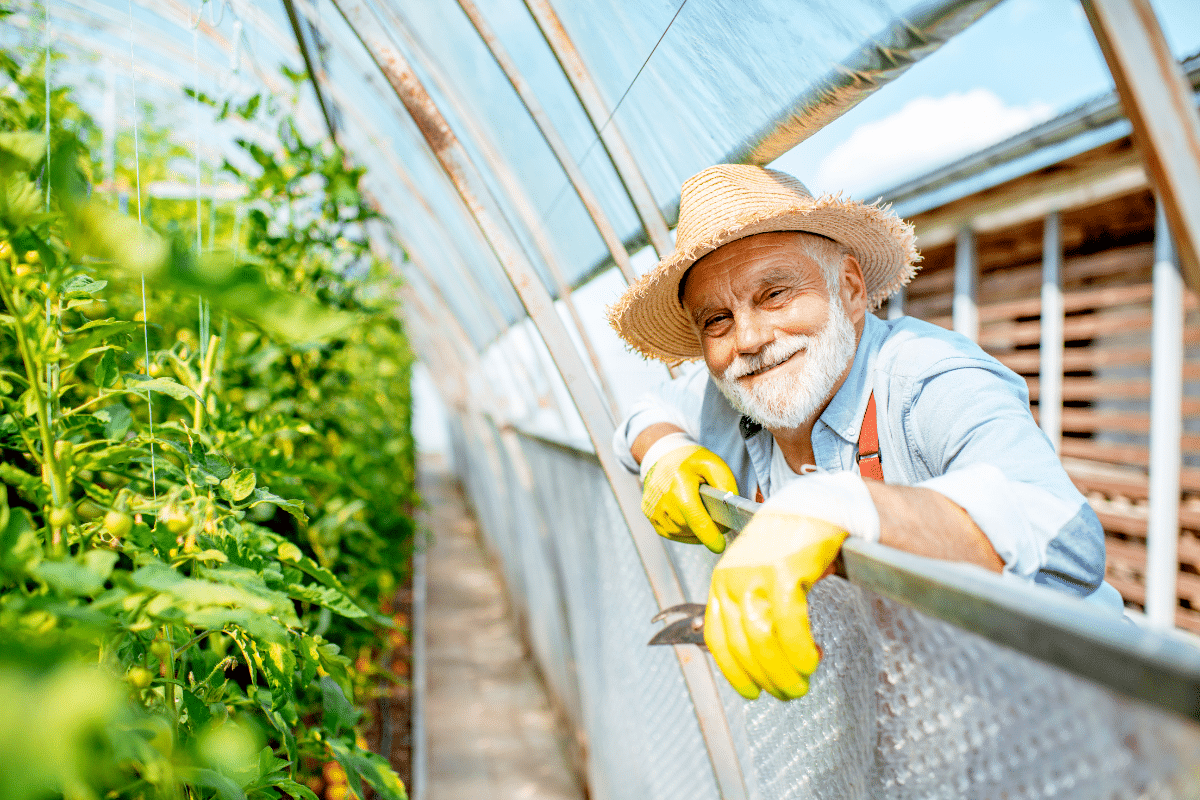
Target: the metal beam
pixel 516 195
pixel 1166 428
pixel 1064 631
pixel 664 583
pixel 606 128
pixel 1050 373
pixel 1159 103
pixel 966 285
pixel 294 19
pixel 559 147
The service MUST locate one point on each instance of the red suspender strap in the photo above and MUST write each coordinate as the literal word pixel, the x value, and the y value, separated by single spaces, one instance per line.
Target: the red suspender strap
pixel 869 465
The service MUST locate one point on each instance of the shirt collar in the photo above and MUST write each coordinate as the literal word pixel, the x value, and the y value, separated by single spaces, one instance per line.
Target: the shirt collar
pixel 844 414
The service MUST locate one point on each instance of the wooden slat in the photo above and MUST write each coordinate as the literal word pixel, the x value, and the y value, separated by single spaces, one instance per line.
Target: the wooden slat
pixel 1026 277
pixel 1125 263
pixel 1084 421
pixel 1135 487
pixel 1007 335
pixel 1081 420
pixel 1187 583
pixel 1094 389
pixel 1131 525
pixel 1106 297
pixel 1131 555
pixel 1130 588
pixel 1110 453
pixel 1079 359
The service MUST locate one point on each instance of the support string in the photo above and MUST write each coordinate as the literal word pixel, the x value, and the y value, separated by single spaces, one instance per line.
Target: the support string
pixel 600 129
pixel 46 76
pixel 51 389
pixel 137 175
pixel 202 304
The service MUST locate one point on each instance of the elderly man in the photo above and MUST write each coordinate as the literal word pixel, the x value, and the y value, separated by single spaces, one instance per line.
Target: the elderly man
pixel 899 432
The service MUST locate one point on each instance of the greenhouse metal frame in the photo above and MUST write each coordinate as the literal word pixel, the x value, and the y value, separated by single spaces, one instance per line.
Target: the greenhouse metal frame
pixel 518 150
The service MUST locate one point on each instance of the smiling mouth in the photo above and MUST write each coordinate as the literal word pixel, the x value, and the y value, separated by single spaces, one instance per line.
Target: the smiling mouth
pixel 768 368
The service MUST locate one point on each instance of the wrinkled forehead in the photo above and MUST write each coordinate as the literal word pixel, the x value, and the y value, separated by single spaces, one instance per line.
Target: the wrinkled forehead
pixel 766 255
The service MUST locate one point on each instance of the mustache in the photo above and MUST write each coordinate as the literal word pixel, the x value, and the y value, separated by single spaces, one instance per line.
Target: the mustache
pixel 771 355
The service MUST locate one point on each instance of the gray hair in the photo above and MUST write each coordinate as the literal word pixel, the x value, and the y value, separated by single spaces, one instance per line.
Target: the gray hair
pixel 829 253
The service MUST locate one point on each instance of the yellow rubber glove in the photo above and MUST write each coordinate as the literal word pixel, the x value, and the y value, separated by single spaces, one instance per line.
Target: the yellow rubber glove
pixel 756 624
pixel 671 491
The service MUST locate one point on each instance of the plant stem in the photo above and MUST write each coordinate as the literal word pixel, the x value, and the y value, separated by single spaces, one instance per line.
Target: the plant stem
pixel 33 373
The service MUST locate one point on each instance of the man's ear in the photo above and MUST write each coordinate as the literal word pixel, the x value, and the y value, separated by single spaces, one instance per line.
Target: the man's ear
pixel 853 289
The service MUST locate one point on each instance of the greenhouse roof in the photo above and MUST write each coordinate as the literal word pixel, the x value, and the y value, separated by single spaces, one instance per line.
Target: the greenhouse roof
pixel 667 88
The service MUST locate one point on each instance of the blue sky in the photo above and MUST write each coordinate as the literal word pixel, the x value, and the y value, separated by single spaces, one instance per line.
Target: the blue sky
pixel 1025 61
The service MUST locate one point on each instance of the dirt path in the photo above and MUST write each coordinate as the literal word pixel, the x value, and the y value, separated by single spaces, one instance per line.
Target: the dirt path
pixel 489 726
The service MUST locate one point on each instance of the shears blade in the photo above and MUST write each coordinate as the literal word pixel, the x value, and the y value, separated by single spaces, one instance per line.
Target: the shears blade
pixel 687 630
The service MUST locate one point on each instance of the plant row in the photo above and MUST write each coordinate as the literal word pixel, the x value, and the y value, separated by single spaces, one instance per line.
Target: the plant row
pixel 206 469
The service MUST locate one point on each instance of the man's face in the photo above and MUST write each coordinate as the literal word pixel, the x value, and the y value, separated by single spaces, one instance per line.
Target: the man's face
pixel 776 342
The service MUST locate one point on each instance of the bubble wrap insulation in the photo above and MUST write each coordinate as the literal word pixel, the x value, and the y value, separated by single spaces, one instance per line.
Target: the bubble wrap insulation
pixel 643 737
pixel 902 706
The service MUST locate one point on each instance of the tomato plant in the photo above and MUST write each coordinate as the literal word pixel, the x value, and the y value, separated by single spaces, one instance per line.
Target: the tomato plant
pixel 199 516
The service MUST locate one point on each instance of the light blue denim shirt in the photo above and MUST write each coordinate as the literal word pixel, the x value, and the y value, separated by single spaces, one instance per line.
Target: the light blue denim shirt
pixel 951 418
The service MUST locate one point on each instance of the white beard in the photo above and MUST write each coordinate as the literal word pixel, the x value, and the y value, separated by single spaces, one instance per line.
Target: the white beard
pixel 791 399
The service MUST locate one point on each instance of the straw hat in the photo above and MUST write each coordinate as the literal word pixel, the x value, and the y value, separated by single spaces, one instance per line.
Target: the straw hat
pixel 728 202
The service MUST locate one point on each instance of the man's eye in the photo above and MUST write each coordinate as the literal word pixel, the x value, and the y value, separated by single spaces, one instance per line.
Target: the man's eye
pixel 715 320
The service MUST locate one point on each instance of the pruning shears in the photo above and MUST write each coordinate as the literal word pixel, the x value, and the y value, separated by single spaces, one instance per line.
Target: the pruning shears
pixel 688 629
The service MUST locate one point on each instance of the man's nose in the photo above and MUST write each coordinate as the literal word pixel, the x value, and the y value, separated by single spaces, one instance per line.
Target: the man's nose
pixel 752 332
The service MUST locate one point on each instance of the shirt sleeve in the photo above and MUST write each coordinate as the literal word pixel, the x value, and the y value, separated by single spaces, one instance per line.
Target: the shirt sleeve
pixel 989 456
pixel 678 402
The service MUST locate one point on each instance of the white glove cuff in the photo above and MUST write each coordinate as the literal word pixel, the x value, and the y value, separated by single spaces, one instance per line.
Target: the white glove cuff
pixel 672 441
pixel 839 498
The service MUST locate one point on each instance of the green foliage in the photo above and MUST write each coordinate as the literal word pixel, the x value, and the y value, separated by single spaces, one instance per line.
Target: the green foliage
pixel 198 527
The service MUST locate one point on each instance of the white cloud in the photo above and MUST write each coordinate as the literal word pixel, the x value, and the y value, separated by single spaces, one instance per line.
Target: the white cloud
pixel 926 133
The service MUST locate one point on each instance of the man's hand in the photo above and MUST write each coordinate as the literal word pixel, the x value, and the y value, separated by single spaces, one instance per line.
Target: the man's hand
pixel 756 625
pixel 673 470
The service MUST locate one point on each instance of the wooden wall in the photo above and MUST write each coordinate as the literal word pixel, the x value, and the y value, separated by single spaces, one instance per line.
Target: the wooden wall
pixel 1106 385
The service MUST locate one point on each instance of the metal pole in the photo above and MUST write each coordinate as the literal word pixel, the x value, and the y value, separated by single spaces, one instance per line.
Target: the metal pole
pixel 1160 105
pixel 896 303
pixel 518 198
pixel 593 104
pixel 1050 373
pixel 664 583
pixel 1166 427
pixel 559 147
pixel 294 19
pixel 966 286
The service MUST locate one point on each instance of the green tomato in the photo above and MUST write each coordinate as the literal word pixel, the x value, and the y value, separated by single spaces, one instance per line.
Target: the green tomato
pixel 139 677
pixel 88 510
pixel 178 520
pixel 33 257
pixel 5 249
pixel 161 650
pixel 118 523
pixel 61 517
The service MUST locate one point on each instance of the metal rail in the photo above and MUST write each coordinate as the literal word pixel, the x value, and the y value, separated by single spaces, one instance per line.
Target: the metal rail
pixel 1157 668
